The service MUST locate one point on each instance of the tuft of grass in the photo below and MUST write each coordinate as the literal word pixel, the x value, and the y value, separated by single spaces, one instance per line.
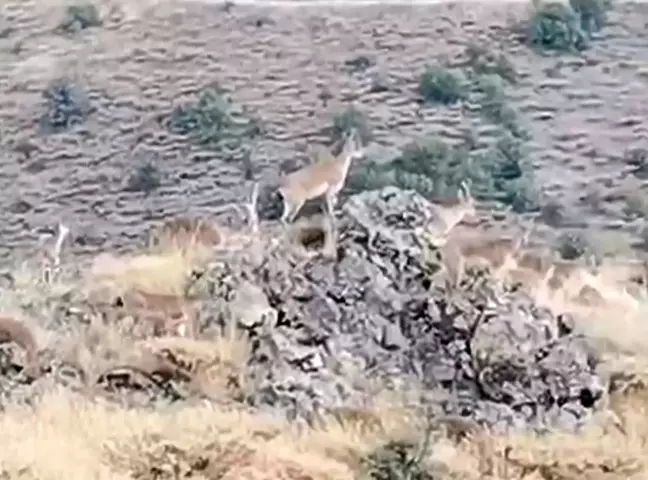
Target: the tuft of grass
pixel 66 105
pixel 441 85
pixel 79 17
pixel 359 63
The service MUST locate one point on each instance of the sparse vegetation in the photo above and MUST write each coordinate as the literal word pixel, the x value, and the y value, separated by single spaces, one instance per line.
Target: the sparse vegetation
pixel 66 105
pixel 592 14
pixel 359 63
pixel 442 85
pixel 397 460
pixel 637 159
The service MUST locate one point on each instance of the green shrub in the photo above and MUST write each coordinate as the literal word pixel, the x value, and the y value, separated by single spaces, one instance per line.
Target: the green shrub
pixel 556 26
pixel 213 121
pixel 495 105
pixel 435 169
pixel 441 85
pixel 505 176
pixel 432 167
pixel 79 17
pixel 144 178
pixel 66 105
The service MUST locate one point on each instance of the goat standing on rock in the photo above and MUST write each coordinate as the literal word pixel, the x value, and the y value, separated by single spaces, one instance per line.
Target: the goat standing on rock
pixel 325 177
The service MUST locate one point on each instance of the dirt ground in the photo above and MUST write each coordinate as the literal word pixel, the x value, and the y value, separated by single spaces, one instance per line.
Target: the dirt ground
pixel 584 111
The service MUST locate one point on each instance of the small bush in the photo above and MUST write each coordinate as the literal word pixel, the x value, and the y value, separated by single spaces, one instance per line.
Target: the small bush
pixel 213 121
pixel 66 105
pixel 557 26
pixel 351 119
pixel 80 17
pixel 571 246
pixel 506 177
pixel 432 167
pixel 553 213
pixel 145 178
pixel 441 85
pixel 396 461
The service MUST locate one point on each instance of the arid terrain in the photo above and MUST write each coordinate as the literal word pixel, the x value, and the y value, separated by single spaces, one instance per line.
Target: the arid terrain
pixel 364 362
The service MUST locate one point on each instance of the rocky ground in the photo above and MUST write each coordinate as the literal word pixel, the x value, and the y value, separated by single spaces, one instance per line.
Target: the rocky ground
pixel 117 117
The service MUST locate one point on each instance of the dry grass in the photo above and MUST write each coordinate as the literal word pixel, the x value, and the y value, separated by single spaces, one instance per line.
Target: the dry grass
pixel 216 440
pixel 213 440
pixel 63 436
pixel 198 441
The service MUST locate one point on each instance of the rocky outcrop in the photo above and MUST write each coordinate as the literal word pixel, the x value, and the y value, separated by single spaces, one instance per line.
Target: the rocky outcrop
pixel 329 330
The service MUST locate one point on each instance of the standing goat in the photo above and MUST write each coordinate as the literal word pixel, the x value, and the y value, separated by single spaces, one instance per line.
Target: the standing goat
pixel 325 177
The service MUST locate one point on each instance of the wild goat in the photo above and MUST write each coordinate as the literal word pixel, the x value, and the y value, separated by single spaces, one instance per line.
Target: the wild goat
pixel 499 253
pixel 325 177
pixel 445 217
pixel 51 256
pixel 164 313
